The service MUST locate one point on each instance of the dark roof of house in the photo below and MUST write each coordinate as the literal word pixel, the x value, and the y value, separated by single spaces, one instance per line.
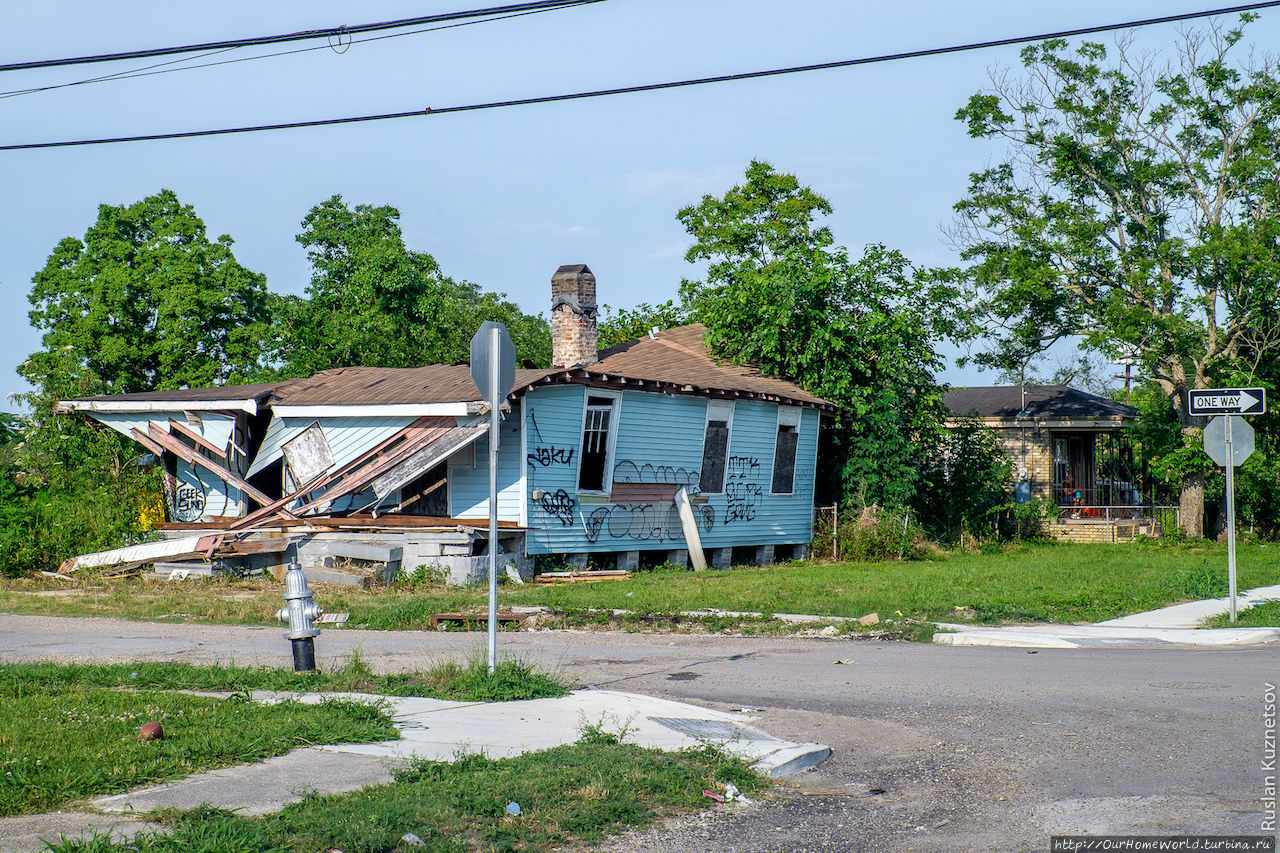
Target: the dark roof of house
pixel 1042 401
pixel 675 361
pixel 216 393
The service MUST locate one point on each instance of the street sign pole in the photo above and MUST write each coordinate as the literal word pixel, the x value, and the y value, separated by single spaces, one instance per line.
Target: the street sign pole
pixel 493 369
pixel 492 393
pixel 1231 519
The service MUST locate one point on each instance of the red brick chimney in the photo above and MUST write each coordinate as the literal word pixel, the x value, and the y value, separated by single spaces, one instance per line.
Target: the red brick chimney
pixel 574 338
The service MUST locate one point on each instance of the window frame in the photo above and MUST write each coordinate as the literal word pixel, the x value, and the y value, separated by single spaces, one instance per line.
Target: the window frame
pixel 788 416
pixel 727 407
pixel 615 413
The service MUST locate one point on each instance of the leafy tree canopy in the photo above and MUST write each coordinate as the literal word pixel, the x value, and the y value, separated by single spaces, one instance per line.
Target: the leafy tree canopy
pixel 779 295
pixel 1137 211
pixel 626 324
pixel 373 302
pixel 146 300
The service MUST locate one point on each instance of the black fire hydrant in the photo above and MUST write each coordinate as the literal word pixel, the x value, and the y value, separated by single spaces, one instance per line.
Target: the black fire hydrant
pixel 300 613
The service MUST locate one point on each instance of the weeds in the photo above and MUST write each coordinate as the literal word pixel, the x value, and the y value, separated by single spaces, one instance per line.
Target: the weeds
pixel 570 796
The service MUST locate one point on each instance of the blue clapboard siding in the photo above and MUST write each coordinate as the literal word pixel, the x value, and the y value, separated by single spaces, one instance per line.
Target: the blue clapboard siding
pixel 469 487
pixel 200 494
pixel 660 440
pixel 348 436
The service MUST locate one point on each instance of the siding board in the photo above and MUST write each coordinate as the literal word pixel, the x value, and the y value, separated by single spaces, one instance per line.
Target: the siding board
pixel 660 448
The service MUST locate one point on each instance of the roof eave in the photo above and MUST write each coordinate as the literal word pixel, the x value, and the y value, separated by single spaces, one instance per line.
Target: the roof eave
pixel 249 405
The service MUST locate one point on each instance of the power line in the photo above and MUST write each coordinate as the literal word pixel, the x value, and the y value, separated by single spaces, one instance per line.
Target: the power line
pixel 302 35
pixel 652 87
pixel 162 67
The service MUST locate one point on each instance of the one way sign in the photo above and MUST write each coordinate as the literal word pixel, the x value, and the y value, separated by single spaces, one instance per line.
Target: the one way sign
pixel 1228 401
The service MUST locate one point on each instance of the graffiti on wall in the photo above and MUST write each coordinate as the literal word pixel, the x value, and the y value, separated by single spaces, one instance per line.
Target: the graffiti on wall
pixel 741 489
pixel 657 522
pixel 189 502
pixel 627 471
pixel 551 455
pixel 560 505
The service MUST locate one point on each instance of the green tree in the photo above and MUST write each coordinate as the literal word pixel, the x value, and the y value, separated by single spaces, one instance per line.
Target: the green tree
pixel 373 302
pixel 779 295
pixel 68 485
pixel 146 300
pixel 1136 212
pixel 967 481
pixel 627 324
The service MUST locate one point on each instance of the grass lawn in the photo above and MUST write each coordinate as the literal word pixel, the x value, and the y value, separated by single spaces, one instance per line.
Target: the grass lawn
pixel 1262 616
pixel 1019 582
pixel 72 731
pixel 570 795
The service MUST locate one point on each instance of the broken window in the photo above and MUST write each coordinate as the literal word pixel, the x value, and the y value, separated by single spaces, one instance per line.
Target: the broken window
pixel 597 426
pixel 715 446
pixel 784 451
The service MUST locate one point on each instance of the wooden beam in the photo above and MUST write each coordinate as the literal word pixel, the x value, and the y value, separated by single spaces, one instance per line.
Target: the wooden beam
pixel 182 451
pixel 183 429
pixel 422 494
pixel 276 506
pixel 143 439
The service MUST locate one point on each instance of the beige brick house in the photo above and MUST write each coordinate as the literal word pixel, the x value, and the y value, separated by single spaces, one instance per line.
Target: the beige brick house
pixel 1068 447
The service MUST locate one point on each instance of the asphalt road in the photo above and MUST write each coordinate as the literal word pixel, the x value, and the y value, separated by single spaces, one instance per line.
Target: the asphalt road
pixel 935 748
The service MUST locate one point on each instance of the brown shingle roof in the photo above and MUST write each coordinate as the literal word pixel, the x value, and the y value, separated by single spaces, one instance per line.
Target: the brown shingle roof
pixel 674 362
pixel 381 386
pixel 677 361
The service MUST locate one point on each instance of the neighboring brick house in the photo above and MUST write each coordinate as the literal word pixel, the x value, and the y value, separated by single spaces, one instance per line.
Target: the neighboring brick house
pixel 1068 447
pixel 592 454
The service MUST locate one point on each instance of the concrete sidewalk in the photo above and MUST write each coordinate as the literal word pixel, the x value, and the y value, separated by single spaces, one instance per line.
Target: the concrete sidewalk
pixel 429 728
pixel 1176 625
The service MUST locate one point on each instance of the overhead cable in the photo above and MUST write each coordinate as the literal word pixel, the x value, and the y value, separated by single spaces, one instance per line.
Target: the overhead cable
pixel 302 35
pixel 651 87
pixel 168 67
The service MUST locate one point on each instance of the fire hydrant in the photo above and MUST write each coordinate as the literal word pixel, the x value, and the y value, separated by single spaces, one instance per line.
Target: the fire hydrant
pixel 300 613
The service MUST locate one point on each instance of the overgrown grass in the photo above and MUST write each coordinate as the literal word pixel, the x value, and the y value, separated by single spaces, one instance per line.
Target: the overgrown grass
pixel 1261 616
pixel 570 795
pixel 65 740
pixel 448 679
pixel 1019 582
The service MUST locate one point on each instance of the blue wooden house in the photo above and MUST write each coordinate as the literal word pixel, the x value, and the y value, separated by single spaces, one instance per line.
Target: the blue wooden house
pixel 390 464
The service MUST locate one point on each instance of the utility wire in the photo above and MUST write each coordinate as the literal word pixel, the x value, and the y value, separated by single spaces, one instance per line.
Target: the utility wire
pixel 328 32
pixel 151 70
pixel 651 87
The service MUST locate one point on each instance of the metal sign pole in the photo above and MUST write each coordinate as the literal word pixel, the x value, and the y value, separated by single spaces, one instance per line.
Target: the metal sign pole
pixel 1231 519
pixel 494 381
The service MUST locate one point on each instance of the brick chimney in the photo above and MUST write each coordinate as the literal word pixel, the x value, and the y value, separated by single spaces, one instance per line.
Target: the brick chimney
pixel 574 339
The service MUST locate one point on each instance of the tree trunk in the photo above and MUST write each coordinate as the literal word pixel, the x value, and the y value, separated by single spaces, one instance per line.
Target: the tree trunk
pixel 1191 504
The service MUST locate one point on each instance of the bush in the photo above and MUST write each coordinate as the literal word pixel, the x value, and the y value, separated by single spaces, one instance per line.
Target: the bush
pixel 870 534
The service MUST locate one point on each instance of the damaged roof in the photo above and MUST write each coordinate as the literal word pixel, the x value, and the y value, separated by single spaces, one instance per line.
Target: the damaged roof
pixel 674 361
pixel 1042 401
pixel 677 361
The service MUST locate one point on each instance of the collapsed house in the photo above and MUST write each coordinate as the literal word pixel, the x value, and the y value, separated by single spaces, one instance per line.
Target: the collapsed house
pixel 389 466
pixel 1072 450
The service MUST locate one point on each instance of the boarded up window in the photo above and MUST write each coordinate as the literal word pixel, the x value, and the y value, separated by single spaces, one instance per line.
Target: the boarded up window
pixel 595 444
pixel 308 454
pixel 784 459
pixel 715 448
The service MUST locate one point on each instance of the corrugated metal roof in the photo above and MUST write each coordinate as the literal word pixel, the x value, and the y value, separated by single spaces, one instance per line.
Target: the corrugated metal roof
pixel 1042 401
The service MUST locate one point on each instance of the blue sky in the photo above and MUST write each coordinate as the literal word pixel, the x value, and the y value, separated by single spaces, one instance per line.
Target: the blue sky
pixel 503 197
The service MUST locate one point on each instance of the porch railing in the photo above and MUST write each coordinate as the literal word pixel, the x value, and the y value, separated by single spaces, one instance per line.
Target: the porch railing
pixel 1165 516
